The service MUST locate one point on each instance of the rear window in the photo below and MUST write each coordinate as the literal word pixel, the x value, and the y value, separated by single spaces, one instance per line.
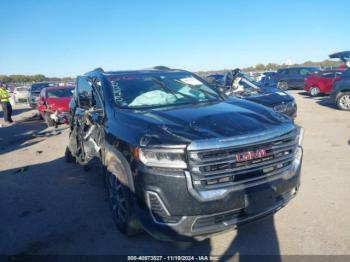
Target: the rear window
pixel 283 71
pixel 21 89
pixel 57 93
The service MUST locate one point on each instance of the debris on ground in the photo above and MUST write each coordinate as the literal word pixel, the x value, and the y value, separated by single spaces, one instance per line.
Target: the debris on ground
pixel 38 152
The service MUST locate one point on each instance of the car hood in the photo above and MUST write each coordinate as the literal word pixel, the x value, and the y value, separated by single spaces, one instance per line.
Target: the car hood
pixel 234 117
pixel 270 97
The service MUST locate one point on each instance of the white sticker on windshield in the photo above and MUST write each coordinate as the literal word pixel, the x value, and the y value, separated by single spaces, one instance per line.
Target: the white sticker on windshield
pixel 191 81
pixel 281 93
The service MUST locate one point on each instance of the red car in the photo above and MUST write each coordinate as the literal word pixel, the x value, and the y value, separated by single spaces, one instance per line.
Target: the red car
pixel 322 82
pixel 53 104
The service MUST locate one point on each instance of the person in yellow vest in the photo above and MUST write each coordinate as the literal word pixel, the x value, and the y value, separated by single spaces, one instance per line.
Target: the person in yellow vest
pixel 5 103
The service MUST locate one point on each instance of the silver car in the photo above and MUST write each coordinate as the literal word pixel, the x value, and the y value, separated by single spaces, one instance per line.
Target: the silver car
pixel 21 94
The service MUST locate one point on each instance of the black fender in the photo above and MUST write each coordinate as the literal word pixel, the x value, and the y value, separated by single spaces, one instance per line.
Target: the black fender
pixel 113 160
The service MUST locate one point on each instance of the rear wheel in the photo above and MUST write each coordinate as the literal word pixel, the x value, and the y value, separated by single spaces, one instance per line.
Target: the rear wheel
pixel 120 201
pixel 283 85
pixel 343 101
pixel 48 120
pixel 314 91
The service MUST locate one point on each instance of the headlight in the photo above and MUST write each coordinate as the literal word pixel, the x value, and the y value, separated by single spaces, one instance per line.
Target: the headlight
pixel 280 108
pixel 160 157
pixel 284 106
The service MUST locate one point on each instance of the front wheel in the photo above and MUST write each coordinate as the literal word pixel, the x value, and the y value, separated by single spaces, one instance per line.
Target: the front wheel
pixel 120 201
pixel 314 91
pixel 343 101
pixel 283 85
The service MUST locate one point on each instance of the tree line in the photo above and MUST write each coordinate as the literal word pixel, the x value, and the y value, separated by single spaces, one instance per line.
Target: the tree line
pixel 275 66
pixel 256 68
pixel 31 78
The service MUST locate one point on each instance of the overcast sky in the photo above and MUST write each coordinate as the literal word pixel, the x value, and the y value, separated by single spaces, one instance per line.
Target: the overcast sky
pixel 70 37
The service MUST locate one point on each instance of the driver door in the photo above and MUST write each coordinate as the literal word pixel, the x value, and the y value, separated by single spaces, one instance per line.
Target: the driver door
pixel 88 120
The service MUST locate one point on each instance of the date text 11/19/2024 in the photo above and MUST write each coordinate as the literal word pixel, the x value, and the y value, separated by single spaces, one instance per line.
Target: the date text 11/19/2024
pixel 173 258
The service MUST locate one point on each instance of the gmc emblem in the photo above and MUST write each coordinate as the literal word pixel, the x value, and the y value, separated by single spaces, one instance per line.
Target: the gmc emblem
pixel 251 155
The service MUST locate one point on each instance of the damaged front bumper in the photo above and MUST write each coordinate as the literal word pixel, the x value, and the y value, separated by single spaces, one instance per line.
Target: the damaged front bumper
pixel 60 117
pixel 169 210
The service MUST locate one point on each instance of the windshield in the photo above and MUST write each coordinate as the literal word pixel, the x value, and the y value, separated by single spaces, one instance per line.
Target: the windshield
pixel 39 86
pixel 57 93
pixel 157 89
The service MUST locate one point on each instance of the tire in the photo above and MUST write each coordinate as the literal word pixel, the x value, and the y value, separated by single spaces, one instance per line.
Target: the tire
pixel 283 85
pixel 314 91
pixel 120 202
pixel 343 101
pixel 68 156
pixel 49 122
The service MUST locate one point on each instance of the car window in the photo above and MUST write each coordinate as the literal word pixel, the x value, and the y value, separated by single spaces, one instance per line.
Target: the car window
pixel 293 71
pixel 84 93
pixel 43 93
pixel 57 93
pixel 38 87
pixel 87 97
pixel 338 73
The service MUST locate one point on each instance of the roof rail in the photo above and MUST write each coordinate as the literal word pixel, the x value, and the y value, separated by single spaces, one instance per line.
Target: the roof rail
pixel 161 68
pixel 98 69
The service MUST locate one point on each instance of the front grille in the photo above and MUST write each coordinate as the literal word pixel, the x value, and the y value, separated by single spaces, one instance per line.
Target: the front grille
pixel 218 167
pixel 158 211
pixel 208 221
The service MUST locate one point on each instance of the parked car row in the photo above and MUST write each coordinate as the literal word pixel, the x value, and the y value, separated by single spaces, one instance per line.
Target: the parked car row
pixel 335 83
pixel 238 84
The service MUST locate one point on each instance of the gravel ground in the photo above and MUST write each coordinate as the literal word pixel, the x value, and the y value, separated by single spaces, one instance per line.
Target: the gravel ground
pixel 50 207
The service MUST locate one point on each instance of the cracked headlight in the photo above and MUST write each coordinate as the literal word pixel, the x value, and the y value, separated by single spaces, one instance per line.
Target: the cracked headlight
pixel 280 108
pixel 160 157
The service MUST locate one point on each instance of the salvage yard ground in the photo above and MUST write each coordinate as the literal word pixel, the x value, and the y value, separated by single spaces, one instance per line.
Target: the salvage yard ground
pixel 48 206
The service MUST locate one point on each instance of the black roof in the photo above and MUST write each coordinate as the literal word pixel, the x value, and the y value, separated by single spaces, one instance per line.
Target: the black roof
pixel 154 70
pixel 344 56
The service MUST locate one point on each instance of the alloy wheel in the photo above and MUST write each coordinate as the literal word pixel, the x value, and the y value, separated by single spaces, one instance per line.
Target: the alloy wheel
pixel 314 91
pixel 117 199
pixel 344 102
pixel 282 85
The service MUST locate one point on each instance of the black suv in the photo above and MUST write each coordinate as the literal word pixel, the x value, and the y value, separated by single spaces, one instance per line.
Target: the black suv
pixel 293 77
pixel 179 159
